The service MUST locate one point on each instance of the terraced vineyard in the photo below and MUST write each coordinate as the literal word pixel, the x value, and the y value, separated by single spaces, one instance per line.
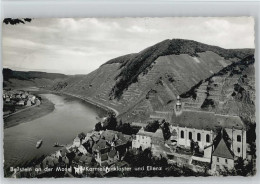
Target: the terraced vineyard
pixel 153 93
pixel 229 92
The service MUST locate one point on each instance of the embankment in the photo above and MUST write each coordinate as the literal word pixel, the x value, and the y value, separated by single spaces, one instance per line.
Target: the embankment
pixel 100 105
pixel 29 114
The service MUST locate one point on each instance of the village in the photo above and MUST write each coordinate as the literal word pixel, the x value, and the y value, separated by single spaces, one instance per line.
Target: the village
pixel 205 144
pixel 18 100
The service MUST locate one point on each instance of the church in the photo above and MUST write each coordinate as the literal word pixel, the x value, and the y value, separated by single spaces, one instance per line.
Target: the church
pixel 203 127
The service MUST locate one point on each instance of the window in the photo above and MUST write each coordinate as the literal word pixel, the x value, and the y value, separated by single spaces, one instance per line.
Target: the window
pixel 198 137
pixel 238 150
pixel 182 134
pixel 238 138
pixel 217 159
pixel 207 138
pixel 226 161
pixel 190 135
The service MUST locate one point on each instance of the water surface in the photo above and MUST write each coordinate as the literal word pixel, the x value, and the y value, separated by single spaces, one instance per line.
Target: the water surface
pixel 70 117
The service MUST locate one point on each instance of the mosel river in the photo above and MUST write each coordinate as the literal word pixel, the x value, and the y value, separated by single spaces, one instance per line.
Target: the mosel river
pixel 70 117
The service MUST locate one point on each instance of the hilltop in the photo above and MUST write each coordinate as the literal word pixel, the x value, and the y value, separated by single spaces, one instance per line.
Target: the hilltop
pixel 16 79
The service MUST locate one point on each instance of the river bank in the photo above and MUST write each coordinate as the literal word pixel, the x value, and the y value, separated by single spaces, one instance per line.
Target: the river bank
pixel 70 117
pixel 29 114
pixel 100 105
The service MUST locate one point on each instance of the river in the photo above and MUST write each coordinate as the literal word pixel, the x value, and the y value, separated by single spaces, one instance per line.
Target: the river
pixel 70 117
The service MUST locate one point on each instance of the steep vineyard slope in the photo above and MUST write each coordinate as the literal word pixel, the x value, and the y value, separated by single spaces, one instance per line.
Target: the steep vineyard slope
pixel 146 84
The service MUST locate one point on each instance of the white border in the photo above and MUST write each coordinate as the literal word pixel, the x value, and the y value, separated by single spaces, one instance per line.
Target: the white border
pixel 134 8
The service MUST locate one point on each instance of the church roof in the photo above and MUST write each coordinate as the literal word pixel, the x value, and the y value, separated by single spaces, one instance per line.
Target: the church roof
pixel 223 151
pixel 206 120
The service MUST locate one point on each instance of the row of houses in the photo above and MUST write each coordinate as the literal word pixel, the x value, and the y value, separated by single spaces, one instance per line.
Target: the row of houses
pixel 20 98
pixel 106 146
pixel 96 149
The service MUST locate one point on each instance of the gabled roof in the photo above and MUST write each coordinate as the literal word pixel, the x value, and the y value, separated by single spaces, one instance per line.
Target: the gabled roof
pixel 119 142
pixel 223 151
pixel 101 144
pixel 109 135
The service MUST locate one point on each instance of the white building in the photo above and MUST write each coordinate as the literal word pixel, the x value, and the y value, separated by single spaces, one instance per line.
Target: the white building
pixel 146 139
pixel 203 127
pixel 222 157
pixel 76 142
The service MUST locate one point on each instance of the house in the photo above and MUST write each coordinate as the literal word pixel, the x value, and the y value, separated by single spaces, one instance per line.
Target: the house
pixel 100 146
pixel 76 142
pixel 83 148
pixel 113 156
pixel 7 99
pixel 85 159
pixel 222 157
pixel 61 153
pixel 37 101
pixel 23 96
pixel 144 139
pixel 32 98
pixel 110 136
pixel 18 96
pixel 202 128
pixel 21 103
pixel 101 158
pixel 28 103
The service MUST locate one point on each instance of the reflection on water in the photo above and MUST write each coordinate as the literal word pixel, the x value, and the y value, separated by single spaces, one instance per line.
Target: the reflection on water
pixel 70 117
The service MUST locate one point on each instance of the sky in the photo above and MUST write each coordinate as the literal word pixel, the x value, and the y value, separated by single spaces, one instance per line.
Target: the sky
pixel 79 46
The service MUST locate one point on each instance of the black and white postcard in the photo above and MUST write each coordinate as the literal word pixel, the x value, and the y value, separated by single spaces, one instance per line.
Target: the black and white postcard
pixel 129 97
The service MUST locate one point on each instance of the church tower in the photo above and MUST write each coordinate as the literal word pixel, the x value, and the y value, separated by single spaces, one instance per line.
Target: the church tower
pixel 178 106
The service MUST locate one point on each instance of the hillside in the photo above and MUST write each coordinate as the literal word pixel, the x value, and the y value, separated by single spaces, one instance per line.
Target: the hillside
pixel 230 91
pixel 16 79
pixel 145 84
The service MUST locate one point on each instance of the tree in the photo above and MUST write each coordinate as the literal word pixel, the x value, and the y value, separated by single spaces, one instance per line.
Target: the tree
pixel 166 130
pixel 111 122
pixel 16 21
pixel 192 145
pixel 98 127
pixel 196 148
pixel 153 126
pixel 82 135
